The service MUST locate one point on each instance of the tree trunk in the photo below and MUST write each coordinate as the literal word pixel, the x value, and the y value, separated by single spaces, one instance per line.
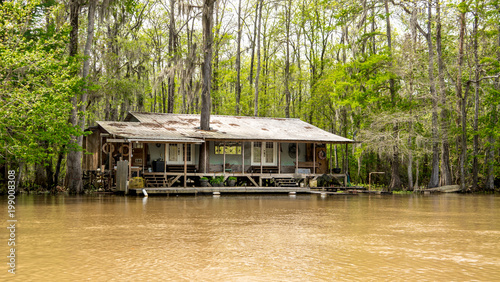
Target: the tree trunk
pixel 257 73
pixel 415 186
pixel 173 56
pixel 445 154
pixel 462 99
pixel 40 176
pixel 395 179
pixel 60 157
pixel 238 61
pixel 216 97
pixel 207 20
pixel 164 97
pixel 299 66
pixel 73 171
pixel 250 77
pixel 411 184
pixel 490 161
pixel 288 8
pixel 434 180
pixel 73 35
pixel 74 158
pixel 475 150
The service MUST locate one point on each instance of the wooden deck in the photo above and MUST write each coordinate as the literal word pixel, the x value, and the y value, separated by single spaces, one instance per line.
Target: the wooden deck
pixel 167 179
pixel 210 190
pixel 252 189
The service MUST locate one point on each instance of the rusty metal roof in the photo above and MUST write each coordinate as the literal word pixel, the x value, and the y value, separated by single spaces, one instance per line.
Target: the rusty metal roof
pixel 153 132
pixel 181 127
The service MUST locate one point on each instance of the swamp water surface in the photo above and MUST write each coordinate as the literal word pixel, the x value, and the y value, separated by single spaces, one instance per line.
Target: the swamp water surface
pixel 255 238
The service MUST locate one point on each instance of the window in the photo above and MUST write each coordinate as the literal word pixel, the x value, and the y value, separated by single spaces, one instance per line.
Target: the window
pixel 231 148
pixel 188 152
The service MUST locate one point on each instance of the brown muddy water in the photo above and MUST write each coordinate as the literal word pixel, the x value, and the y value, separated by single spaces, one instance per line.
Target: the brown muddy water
pixel 255 238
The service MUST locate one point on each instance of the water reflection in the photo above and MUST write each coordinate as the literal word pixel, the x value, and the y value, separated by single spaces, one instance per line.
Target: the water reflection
pixel 258 237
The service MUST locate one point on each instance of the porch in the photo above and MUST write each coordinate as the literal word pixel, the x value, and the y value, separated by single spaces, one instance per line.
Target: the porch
pixel 169 179
pixel 168 151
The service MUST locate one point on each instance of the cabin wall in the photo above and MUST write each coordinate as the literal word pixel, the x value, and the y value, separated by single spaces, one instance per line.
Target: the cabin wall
pixel 234 161
pixel 91 146
pixel 155 153
pixel 158 153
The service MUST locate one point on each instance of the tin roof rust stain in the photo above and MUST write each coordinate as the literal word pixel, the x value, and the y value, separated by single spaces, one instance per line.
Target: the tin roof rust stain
pixel 308 127
pixel 170 129
pixel 151 124
pixel 234 124
pixel 192 120
pixel 265 129
pixel 119 125
pixel 170 122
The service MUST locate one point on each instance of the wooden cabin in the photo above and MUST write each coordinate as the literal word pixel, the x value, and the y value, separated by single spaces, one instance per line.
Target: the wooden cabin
pixel 166 149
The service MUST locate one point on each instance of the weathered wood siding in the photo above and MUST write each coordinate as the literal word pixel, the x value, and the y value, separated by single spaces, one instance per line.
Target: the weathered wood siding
pixel 92 148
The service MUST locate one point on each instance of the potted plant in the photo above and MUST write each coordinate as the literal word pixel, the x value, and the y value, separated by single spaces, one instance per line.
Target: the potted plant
pixel 204 182
pixel 217 181
pixel 231 181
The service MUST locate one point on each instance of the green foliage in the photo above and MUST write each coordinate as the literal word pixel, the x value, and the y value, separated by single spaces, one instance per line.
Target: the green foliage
pixel 217 180
pixel 37 83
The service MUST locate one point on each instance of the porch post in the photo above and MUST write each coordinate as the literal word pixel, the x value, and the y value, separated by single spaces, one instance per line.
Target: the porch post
pixel 144 157
pixel 314 158
pixel 346 162
pixel 100 153
pixel 331 158
pixel 129 160
pixel 110 166
pixel 185 165
pixel 279 157
pixel 224 160
pixel 205 157
pixel 165 161
pixel 242 157
pixel 261 161
pixel 296 157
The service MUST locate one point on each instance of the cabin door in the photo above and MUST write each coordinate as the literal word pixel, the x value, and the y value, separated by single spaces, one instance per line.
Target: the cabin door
pixel 175 154
pixel 268 155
